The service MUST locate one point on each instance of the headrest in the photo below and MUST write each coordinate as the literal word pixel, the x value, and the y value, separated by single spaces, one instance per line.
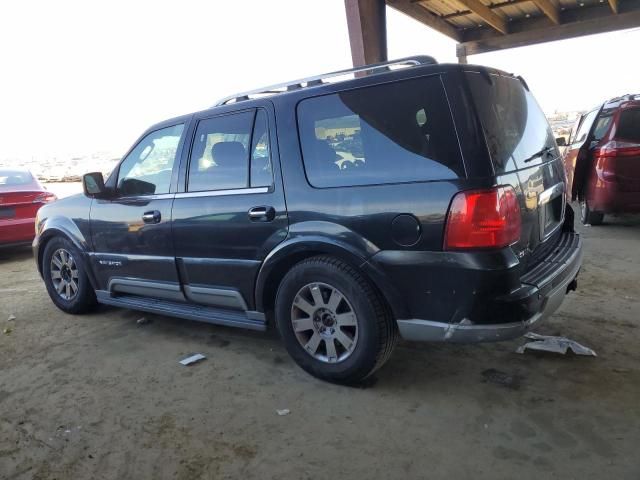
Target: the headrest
pixel 227 154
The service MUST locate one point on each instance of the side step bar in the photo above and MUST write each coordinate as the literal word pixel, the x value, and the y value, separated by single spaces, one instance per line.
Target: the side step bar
pixel 188 311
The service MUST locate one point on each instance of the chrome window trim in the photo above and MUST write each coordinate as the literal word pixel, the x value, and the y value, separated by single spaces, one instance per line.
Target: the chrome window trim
pixel 222 193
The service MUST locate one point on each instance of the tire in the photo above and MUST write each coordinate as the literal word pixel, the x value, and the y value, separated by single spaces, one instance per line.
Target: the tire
pixel 80 300
pixel 589 217
pixel 306 297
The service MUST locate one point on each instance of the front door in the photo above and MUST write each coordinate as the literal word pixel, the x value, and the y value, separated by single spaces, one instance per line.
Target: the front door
pixel 232 211
pixel 131 231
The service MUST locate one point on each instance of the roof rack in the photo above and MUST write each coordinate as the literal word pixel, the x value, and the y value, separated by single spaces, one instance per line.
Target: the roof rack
pixel 320 79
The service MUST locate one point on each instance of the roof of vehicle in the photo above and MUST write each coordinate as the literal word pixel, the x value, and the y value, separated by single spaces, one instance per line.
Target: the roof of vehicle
pixel 620 101
pixel 295 90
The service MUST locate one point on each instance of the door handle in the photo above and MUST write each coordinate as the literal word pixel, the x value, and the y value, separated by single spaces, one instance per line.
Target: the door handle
pixel 151 217
pixel 262 214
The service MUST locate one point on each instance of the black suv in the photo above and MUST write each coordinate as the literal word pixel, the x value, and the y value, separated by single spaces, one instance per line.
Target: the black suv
pixel 411 198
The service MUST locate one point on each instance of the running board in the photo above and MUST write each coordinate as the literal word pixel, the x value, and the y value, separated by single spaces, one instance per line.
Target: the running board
pixel 188 311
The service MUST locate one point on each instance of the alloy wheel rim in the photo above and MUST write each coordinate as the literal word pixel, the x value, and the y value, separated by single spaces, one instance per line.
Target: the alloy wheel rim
pixel 324 322
pixel 64 274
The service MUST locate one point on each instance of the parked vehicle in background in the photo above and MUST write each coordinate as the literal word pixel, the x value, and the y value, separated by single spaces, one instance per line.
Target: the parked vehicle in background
pixel 602 160
pixel 419 199
pixel 21 195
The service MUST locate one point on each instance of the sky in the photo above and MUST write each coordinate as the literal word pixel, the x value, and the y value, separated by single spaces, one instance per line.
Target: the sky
pixel 78 76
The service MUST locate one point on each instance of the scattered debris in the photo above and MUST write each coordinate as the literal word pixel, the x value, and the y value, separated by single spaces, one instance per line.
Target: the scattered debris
pixel 283 412
pixel 7 331
pixel 192 359
pixel 11 318
pixel 501 378
pixel 143 321
pixel 549 343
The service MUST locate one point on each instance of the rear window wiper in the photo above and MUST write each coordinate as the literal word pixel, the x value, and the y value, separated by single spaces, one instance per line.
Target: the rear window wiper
pixel 544 151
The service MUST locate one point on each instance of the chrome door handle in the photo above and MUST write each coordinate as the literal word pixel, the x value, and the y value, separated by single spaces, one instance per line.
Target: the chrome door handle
pixel 265 214
pixel 151 217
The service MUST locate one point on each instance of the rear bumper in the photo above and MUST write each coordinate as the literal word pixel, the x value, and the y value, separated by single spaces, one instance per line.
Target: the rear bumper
pixel 540 295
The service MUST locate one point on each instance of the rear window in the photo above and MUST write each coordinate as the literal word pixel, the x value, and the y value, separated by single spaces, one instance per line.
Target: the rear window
pixel 392 133
pixel 515 127
pixel 629 127
pixel 14 177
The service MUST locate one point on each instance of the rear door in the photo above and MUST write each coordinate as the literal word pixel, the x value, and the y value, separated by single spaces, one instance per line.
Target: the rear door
pixel 524 154
pixel 231 212
pixel 131 232
pixel 625 160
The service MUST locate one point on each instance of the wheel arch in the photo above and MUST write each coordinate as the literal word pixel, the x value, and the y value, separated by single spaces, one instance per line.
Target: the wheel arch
pixel 291 252
pixel 60 227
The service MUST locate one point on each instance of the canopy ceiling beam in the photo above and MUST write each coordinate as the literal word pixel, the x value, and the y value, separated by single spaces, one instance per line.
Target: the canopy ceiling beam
pixel 421 14
pixel 488 15
pixel 532 35
pixel 550 10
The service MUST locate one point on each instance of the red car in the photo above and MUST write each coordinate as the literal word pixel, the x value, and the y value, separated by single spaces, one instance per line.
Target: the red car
pixel 602 159
pixel 21 195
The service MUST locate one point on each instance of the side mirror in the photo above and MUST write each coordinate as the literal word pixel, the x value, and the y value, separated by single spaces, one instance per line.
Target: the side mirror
pixel 561 142
pixel 93 185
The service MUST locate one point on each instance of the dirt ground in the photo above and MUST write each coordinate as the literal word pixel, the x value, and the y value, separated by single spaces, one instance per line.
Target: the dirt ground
pixel 102 397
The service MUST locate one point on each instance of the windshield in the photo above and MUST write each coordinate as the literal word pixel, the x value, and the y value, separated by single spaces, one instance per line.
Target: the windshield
pixel 515 127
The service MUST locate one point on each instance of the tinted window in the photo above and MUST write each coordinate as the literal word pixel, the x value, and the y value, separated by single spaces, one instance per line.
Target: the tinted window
pixel 221 151
pixel 399 132
pixel 629 126
pixel 602 125
pixel 261 175
pixel 585 126
pixel 149 166
pixel 515 127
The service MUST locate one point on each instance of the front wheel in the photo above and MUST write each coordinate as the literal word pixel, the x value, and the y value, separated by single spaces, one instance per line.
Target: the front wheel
pixel 66 278
pixel 332 321
pixel 589 217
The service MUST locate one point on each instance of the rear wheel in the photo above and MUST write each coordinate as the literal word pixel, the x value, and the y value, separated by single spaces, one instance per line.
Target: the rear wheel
pixel 589 217
pixel 66 278
pixel 332 321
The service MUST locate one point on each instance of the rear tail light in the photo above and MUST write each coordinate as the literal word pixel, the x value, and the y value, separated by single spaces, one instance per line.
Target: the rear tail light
pixel 45 197
pixel 604 157
pixel 617 148
pixel 483 219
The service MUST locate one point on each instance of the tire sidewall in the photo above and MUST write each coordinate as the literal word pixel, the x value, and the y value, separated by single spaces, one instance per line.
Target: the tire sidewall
pixel 85 290
pixel 364 356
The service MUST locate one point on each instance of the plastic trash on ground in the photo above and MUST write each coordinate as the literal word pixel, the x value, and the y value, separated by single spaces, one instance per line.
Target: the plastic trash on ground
pixel 549 343
pixel 198 357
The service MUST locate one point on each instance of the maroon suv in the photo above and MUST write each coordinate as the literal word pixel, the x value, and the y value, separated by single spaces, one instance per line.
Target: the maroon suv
pixel 602 160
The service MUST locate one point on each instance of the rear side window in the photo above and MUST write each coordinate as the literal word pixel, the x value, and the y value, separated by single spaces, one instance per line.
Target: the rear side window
pixel 515 127
pixel 397 132
pixel 629 126
pixel 231 152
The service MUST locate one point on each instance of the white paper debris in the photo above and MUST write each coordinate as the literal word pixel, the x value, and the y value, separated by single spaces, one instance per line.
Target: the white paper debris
pixel 192 359
pixel 549 343
pixel 11 318
pixel 284 411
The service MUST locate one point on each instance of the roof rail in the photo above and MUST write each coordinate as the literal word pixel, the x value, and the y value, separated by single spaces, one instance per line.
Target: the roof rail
pixel 319 79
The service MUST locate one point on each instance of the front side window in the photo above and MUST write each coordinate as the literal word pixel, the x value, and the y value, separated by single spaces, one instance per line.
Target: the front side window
pixel 391 133
pixel 585 126
pixel 148 168
pixel 222 150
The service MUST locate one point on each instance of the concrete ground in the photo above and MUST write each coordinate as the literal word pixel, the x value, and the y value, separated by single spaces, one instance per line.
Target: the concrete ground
pixel 102 397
